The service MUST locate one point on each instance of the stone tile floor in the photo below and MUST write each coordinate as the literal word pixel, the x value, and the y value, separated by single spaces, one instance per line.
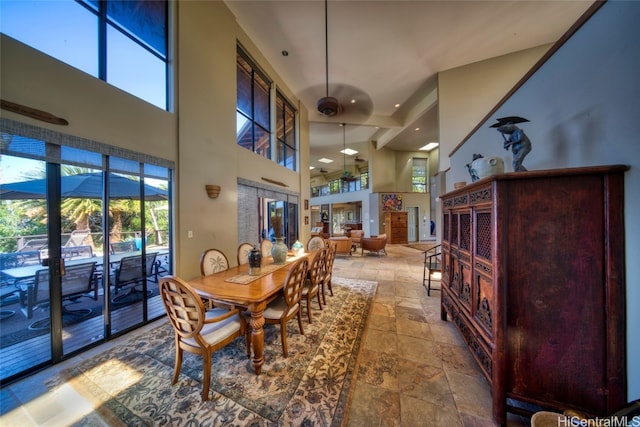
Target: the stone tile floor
pixel 414 369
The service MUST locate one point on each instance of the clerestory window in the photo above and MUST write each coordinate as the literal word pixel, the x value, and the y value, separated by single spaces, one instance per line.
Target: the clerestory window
pixel 123 42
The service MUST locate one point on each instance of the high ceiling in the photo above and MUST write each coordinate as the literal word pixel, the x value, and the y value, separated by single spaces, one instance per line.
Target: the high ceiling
pixel 387 52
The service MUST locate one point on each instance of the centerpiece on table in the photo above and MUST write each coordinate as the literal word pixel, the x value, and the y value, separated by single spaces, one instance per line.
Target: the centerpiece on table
pixel 279 249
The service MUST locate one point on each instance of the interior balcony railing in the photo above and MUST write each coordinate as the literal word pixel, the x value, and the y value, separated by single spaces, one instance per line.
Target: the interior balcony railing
pixel 336 186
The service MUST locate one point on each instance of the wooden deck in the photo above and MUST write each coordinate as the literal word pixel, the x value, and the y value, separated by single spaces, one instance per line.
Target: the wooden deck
pixel 35 351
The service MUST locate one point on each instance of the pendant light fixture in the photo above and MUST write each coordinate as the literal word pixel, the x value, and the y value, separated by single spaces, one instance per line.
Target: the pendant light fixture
pixel 327 106
pixel 346 175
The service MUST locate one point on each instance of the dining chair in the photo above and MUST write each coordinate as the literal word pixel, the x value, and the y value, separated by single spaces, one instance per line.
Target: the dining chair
pixel 287 305
pixel 315 243
pixel 213 261
pixel 130 273
pixel 196 330
pixel 265 248
pixel 243 253
pixel 313 280
pixel 328 271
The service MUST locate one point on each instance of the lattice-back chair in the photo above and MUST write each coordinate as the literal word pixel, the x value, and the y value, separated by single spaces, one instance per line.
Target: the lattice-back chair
pixel 432 267
pixel 213 261
pixel 77 282
pixel 287 305
pixel 313 281
pixel 122 247
pixel 328 271
pixel 315 243
pixel 196 330
pixel 243 253
pixel 265 248
pixel 130 273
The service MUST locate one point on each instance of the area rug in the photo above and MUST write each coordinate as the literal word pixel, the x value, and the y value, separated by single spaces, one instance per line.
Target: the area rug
pixel 131 383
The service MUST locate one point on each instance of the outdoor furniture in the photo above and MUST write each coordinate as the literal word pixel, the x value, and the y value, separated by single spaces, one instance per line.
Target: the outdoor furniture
pixel 77 237
pixel 77 282
pixel 71 252
pixel 130 273
pixel 314 279
pixel 196 330
pixel 122 247
pixel 374 244
pixel 287 305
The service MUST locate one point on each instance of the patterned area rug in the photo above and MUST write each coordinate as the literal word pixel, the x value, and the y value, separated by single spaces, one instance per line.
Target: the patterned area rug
pixel 131 384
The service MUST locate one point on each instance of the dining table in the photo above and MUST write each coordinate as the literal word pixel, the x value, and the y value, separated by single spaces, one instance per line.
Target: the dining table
pixel 254 292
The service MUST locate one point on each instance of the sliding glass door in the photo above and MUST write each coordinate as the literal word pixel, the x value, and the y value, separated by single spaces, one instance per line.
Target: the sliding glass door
pixel 84 238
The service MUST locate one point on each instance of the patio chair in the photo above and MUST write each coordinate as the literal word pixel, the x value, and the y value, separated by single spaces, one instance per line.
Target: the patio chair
pixel 196 330
pixel 122 247
pixel 77 282
pixel 75 252
pixel 314 278
pixel 287 305
pixel 130 273
pixel 77 237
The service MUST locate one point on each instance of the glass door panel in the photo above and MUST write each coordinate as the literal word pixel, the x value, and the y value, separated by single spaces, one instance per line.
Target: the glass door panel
pixel 25 338
pixel 81 292
pixel 126 258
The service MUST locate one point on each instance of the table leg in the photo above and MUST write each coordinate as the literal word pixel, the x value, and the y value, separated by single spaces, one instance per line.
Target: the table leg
pixel 257 335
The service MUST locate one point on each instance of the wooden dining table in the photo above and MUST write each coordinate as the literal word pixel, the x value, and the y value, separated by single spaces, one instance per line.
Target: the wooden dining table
pixel 254 295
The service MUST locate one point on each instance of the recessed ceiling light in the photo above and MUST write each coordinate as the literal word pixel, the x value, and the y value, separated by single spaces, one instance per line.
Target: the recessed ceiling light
pixel 397 105
pixel 349 151
pixel 311 167
pixel 430 146
pixel 325 160
pixel 353 101
pixel 417 129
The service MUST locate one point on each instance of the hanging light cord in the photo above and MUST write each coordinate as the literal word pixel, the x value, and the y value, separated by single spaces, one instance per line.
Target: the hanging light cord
pixel 344 148
pixel 326 45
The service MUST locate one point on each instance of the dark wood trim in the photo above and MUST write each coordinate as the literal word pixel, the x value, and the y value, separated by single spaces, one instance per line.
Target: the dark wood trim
pixel 32 112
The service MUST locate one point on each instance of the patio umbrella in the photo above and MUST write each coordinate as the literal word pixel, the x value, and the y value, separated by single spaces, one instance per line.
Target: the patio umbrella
pixel 85 185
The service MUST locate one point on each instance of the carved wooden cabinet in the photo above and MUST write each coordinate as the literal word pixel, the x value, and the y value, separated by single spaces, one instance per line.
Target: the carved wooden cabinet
pixel 396 227
pixel 533 277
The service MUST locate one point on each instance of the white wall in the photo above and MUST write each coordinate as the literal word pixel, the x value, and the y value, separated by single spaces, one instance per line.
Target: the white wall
pixel 584 110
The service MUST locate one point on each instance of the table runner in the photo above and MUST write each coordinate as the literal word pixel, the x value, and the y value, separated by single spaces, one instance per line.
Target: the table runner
pixel 245 278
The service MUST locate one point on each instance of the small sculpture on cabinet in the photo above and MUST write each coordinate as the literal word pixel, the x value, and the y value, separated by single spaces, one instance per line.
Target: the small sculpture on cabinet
pixel 515 138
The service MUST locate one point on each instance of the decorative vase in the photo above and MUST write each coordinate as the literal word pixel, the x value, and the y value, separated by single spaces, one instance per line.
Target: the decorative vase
pixel 279 251
pixel 255 262
pixel 486 166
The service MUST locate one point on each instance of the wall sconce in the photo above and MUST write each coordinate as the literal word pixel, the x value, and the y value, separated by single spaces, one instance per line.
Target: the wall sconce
pixel 212 191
